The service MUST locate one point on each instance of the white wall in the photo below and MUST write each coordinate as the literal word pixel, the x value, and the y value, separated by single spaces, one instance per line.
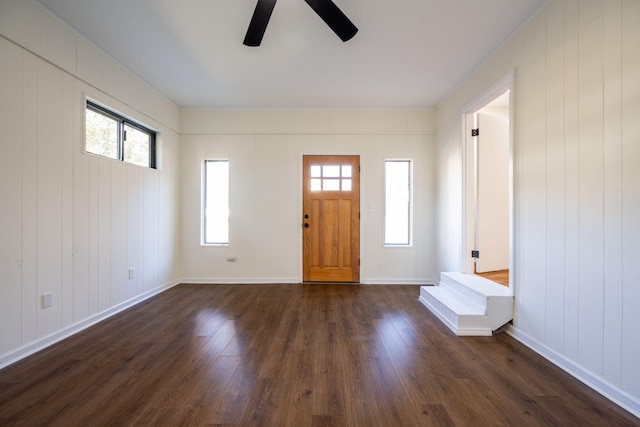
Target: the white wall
pixel 577 187
pixel 265 148
pixel 71 223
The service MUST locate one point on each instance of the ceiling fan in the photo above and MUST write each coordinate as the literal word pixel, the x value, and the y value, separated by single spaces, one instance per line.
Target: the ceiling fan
pixel 326 9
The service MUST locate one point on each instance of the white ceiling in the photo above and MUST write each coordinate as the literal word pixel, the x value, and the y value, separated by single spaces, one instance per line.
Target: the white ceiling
pixel 406 54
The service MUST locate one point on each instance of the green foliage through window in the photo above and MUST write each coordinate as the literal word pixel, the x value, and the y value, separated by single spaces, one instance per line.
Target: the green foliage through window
pixel 110 135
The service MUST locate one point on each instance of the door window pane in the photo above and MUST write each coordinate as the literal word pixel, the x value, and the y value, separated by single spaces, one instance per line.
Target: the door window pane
pixel 331 178
pixel 331 185
pixel 331 171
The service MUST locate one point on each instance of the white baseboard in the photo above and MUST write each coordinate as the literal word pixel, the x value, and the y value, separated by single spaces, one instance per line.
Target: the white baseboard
pixel 605 388
pixel 46 341
pixel 239 280
pixel 387 281
pixel 293 280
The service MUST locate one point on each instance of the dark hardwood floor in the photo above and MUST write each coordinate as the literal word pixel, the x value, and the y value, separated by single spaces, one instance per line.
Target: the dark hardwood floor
pixel 292 355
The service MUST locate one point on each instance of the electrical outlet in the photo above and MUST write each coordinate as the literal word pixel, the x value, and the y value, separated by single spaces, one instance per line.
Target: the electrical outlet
pixel 132 273
pixel 47 300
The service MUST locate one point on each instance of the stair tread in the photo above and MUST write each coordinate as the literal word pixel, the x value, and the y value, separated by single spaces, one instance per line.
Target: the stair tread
pixel 456 302
pixel 478 284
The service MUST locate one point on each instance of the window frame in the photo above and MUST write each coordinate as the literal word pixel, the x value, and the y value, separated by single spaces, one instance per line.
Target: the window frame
pixel 122 121
pixel 203 227
pixel 410 205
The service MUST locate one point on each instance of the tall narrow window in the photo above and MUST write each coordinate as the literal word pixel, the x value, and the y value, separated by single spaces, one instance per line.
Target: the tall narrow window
pixel 397 208
pixel 216 203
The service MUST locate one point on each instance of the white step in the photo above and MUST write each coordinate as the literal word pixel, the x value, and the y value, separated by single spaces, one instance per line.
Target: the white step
pixel 469 304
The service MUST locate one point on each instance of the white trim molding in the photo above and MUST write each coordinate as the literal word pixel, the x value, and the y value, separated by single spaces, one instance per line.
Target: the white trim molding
pixel 47 341
pixel 605 388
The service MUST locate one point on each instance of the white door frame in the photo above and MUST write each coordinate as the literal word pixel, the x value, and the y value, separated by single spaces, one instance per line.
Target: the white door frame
pixel 468 173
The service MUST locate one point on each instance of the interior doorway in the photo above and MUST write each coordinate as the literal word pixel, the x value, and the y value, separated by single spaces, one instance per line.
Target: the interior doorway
pixel 488 186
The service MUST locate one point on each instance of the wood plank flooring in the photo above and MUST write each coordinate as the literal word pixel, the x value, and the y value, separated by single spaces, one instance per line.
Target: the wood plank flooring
pixel 292 355
pixel 500 276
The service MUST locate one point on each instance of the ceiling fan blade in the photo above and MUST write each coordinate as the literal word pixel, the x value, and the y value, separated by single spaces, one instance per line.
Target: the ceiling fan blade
pixel 335 19
pixel 259 22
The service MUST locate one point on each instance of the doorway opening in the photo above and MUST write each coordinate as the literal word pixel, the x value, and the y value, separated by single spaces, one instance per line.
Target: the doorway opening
pixel 488 186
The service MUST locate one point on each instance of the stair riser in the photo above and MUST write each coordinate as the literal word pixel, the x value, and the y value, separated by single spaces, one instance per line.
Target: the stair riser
pixel 463 290
pixel 467 304
pixel 460 324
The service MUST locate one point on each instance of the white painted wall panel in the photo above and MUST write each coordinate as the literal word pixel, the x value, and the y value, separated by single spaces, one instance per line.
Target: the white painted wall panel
pixel 29 301
pixel 118 243
pixel 13 19
pixel 82 230
pixel 613 225
pixel 66 151
pixel 49 196
pixel 33 29
pixel 103 225
pixel 94 232
pixel 533 146
pixel 631 196
pixel 577 299
pixel 150 225
pixel 555 186
pixel 11 191
pixel 591 196
pixel 58 44
pixel 572 184
pixel 70 214
pixel 132 225
pixel 265 173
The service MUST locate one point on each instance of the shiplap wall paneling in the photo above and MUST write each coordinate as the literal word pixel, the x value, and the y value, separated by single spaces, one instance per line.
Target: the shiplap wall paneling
pixel 132 225
pixel 104 225
pixel 555 179
pixel 631 196
pixel 572 182
pixel 12 20
pixel 29 199
pixel 613 223
pixel 94 233
pixel 82 229
pixel 49 195
pixel 577 181
pixel 11 190
pixel 590 121
pixel 69 123
pixel 150 223
pixel 119 270
pixel 140 271
pixel 533 146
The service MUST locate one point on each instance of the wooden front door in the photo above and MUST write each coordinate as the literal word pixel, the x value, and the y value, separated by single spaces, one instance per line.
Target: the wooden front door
pixel 331 219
